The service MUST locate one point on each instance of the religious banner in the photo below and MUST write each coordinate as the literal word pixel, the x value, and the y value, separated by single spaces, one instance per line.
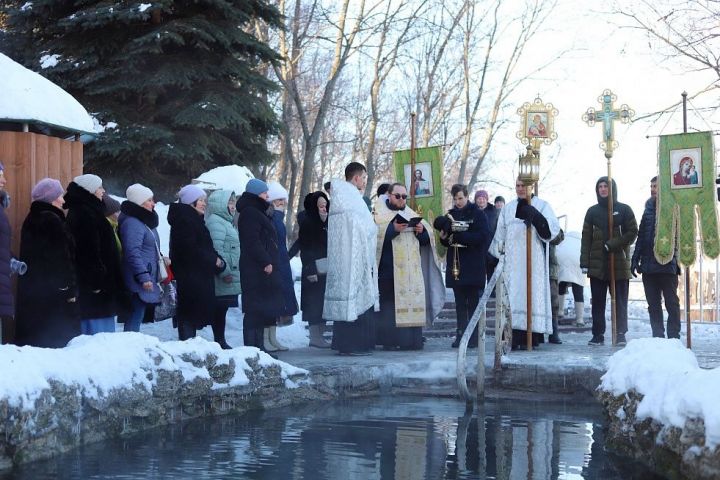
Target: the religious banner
pixel 425 181
pixel 686 187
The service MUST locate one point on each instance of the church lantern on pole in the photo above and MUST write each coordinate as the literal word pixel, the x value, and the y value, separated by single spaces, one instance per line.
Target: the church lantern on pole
pixel 538 128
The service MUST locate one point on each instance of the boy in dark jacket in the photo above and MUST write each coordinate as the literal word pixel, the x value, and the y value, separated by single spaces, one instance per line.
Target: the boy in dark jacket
pixel 595 251
pixel 658 280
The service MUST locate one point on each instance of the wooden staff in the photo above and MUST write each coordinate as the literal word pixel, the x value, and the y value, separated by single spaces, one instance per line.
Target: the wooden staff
pixel 528 268
pixel 613 311
pixel 413 203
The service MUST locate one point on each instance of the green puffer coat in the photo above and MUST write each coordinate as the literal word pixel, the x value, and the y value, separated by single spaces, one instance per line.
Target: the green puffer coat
pixel 593 254
pixel 225 240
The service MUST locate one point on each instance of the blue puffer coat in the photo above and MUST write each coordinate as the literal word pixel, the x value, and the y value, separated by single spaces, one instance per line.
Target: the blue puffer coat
pixel 140 240
pixel 644 257
pixel 225 240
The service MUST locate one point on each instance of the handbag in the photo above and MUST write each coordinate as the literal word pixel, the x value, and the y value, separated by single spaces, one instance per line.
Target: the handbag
pixel 321 265
pixel 165 275
pixel 168 303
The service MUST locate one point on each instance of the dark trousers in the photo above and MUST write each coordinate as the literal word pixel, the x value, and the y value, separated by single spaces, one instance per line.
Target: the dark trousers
pixel 467 298
pixel 218 323
pixel 357 336
pixel 577 290
pixel 658 286
pixel 599 289
pixel 7 323
pixel 387 333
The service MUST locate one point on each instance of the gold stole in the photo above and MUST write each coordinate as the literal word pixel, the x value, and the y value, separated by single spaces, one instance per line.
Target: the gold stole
pixel 407 269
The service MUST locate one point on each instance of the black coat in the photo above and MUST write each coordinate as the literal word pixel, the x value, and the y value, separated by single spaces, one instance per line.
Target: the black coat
pixel 644 257
pixel 7 305
pixel 44 316
pixel 97 259
pixel 261 293
pixel 193 264
pixel 472 257
pixel 312 241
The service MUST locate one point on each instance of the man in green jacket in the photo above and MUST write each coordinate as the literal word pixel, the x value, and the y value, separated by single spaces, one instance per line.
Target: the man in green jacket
pixel 595 251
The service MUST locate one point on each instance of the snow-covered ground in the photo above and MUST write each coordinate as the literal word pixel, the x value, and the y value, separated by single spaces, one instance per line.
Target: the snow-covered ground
pixel 673 386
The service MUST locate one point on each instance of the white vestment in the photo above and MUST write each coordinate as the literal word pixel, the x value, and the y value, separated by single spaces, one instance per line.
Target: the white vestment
pixel 510 240
pixel 351 286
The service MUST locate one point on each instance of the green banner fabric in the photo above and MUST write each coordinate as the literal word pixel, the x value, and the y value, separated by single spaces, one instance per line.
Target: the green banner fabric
pixel 686 187
pixel 426 182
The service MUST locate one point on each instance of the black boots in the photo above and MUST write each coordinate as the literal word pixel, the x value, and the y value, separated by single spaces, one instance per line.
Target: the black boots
pixel 218 328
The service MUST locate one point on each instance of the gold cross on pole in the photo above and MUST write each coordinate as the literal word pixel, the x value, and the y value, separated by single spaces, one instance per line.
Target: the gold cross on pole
pixel 608 115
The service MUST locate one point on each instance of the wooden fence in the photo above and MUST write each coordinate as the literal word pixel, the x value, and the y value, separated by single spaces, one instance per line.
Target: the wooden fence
pixel 28 158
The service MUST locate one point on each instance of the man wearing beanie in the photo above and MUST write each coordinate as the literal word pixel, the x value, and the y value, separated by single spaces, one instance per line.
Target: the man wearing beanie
pixel 7 305
pixel 262 299
pixel 277 195
pixel 97 258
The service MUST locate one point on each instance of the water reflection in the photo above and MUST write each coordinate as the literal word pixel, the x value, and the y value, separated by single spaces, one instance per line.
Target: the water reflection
pixel 385 438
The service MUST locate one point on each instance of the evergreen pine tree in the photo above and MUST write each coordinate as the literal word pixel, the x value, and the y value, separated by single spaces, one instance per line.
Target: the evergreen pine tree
pixel 182 80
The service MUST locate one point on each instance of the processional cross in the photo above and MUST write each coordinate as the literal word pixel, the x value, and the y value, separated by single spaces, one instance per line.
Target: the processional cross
pixel 608 116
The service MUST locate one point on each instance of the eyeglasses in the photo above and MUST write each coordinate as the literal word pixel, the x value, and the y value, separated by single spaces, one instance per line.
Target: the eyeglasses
pixel 399 196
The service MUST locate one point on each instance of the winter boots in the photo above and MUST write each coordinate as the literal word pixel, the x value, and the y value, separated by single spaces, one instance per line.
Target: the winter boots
pixel 270 341
pixel 317 339
pixel 218 328
pixel 579 314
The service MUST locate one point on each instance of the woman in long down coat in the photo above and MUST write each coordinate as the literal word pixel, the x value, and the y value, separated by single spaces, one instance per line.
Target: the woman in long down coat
pixel 221 210
pixel 312 241
pixel 194 261
pixel 97 260
pixel 262 301
pixel 47 313
pixel 140 252
pixel 277 195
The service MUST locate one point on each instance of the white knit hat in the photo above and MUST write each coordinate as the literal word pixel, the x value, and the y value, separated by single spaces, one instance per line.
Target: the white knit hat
pixel 138 194
pixel 89 182
pixel 276 192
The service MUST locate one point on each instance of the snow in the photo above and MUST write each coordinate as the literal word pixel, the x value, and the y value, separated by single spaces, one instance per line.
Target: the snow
pixel 674 387
pixel 29 97
pixel 229 177
pixel 49 61
pixel 100 363
pixel 144 6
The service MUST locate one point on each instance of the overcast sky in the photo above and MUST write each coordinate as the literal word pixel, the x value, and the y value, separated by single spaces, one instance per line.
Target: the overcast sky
pixel 604 56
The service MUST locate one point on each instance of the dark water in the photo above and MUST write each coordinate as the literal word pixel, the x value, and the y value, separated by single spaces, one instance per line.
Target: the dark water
pixel 381 438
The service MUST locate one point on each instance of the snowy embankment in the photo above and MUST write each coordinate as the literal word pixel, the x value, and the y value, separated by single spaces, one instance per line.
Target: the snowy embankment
pixel 663 408
pixel 106 385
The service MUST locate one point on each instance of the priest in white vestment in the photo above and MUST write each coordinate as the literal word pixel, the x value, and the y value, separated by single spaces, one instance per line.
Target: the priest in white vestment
pixel 351 285
pixel 412 292
pixel 510 240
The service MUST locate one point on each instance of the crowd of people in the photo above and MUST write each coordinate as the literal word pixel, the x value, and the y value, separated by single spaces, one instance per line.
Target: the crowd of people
pixel 372 269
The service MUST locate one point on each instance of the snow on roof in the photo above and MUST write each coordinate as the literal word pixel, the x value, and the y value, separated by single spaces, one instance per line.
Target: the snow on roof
pixel 229 177
pixel 673 386
pixel 28 97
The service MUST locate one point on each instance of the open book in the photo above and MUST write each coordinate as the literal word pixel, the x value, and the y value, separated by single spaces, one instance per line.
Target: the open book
pixel 405 217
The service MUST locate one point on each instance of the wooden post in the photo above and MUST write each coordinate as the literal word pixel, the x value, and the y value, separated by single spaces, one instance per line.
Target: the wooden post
pixel 613 309
pixel 688 324
pixel 528 258
pixel 413 203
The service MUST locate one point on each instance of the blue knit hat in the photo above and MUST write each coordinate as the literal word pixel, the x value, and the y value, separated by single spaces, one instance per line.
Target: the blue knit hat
pixel 256 186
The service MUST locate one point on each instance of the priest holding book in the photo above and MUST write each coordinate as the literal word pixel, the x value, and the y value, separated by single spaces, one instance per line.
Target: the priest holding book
pixel 409 278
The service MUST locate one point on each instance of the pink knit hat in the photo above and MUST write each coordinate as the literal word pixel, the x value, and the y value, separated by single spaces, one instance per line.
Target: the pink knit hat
pixel 46 190
pixel 482 193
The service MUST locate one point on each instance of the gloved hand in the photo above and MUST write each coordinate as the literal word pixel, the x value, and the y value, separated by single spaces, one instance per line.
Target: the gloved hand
pixel 634 268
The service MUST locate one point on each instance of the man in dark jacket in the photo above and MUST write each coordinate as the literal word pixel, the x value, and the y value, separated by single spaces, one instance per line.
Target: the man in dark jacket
pixel 595 250
pixel 658 280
